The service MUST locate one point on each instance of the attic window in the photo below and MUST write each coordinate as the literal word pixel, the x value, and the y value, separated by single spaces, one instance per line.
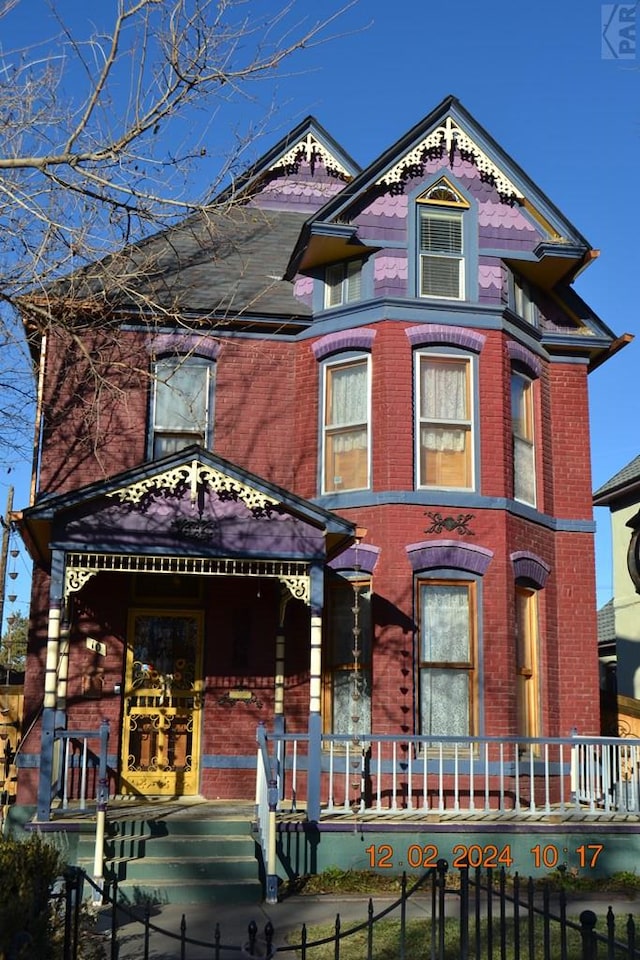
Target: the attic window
pixel 443 193
pixel 441 241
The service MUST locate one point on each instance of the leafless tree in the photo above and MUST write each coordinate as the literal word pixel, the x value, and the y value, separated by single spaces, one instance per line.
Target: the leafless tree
pixel 104 136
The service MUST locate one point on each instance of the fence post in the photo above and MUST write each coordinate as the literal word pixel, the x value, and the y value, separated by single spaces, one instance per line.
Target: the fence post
pixel 464 913
pixel 588 921
pixel 441 866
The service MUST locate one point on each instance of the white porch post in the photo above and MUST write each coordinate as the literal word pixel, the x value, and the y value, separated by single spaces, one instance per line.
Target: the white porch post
pixel 49 713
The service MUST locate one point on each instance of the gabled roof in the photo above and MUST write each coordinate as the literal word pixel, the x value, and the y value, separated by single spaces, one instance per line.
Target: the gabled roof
pixel 564 252
pixel 623 483
pixel 184 473
pixel 225 262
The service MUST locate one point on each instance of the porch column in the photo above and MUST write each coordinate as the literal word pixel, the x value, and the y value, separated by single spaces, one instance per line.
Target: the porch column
pixel 49 713
pixel 316 578
pixel 278 709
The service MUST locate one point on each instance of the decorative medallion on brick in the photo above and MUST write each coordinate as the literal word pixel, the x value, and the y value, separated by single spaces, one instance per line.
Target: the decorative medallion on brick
pixel 450 524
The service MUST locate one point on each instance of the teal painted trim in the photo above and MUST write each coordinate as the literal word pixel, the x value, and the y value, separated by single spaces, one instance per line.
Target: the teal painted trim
pixel 578 361
pixel 394 848
pixel 458 499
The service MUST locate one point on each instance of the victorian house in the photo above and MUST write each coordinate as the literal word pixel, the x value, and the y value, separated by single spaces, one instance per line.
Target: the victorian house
pixel 332 483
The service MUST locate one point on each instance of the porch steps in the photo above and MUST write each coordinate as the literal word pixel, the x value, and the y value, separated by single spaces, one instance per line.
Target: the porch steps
pixel 185 855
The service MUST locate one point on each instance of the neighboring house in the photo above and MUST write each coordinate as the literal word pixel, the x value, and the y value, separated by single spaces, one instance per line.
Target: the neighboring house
pixel 350 497
pixel 619 621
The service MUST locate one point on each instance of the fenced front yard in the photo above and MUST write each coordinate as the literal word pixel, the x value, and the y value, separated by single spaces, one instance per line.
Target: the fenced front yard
pixel 444 915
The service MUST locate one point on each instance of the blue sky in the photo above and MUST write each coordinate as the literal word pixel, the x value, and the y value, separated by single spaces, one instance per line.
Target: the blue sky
pixel 538 77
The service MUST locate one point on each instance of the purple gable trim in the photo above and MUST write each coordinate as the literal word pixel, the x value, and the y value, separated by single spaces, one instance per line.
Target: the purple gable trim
pixel 529 567
pixel 520 354
pixel 185 343
pixel 440 333
pixel 449 553
pixel 363 557
pixel 344 340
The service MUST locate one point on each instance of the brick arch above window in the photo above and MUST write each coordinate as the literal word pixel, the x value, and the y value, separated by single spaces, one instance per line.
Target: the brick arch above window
pixel 432 554
pixel 432 334
pixel 184 344
pixel 527 359
pixel 361 558
pixel 342 341
pixel 527 566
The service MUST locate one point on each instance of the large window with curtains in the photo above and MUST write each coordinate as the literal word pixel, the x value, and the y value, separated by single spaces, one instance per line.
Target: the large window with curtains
pixel 346 441
pixel 447 614
pixel 347 675
pixel 444 429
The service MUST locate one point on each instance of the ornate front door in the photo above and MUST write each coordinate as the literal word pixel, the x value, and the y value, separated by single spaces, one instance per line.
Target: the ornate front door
pixel 162 704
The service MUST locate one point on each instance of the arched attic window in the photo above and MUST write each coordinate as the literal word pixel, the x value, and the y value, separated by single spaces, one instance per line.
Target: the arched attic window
pixel 441 210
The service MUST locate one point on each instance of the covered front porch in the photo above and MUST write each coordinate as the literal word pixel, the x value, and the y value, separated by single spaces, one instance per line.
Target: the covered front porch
pixel 184 605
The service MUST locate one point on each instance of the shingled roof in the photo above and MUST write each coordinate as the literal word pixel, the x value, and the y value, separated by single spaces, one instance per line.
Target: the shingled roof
pixel 624 481
pixel 220 264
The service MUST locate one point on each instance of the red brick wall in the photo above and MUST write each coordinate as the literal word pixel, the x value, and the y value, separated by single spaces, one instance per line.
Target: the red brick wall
pixel 266 417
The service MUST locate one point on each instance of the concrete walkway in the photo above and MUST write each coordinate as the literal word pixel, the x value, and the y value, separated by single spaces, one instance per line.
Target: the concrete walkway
pixel 287 919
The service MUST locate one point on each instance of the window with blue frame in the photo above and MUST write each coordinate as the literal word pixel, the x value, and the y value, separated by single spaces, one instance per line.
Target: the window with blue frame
pixel 447 657
pixel 182 404
pixel 441 253
pixel 342 283
pixel 522 425
pixel 444 428
pixel 345 429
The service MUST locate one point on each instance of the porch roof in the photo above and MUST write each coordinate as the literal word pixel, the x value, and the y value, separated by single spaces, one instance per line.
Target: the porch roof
pixel 192 502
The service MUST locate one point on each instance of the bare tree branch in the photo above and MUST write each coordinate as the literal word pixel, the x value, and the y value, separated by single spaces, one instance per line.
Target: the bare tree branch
pixel 103 141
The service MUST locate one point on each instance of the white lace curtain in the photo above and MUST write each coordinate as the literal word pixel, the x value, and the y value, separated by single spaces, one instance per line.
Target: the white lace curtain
pixel 443 397
pixel 445 638
pixel 347 407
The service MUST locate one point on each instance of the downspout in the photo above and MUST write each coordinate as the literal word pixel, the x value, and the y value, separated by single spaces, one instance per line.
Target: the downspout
pixel 37 435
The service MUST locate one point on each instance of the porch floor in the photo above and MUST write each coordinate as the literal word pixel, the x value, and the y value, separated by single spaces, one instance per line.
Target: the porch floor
pixel 197 808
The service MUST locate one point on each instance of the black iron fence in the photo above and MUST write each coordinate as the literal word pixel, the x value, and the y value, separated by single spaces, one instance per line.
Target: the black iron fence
pixel 464 915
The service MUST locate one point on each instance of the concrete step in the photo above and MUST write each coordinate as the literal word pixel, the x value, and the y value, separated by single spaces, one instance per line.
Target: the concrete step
pixel 186 856
pixel 184 868
pixel 172 845
pixel 214 892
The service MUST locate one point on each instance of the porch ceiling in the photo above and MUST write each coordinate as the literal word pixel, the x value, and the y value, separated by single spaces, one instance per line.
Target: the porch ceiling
pixel 192 503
